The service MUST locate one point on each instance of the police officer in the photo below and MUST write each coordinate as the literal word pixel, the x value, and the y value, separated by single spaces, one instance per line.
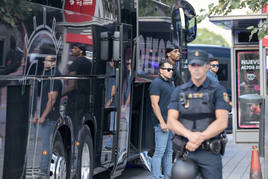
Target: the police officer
pixel 198 112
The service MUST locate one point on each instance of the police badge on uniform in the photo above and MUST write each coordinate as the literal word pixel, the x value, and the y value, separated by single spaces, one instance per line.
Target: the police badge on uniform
pixel 225 97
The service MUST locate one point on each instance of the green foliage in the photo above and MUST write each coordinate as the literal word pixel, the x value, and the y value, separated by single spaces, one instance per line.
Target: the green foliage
pixel 146 8
pixel 204 36
pixel 224 7
pixel 12 11
pixel 168 2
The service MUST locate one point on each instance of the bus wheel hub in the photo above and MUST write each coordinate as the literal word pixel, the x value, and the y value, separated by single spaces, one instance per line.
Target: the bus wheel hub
pixel 57 167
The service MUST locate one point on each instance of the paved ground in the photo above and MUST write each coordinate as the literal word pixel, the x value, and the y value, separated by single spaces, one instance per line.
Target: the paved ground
pixel 129 173
pixel 236 164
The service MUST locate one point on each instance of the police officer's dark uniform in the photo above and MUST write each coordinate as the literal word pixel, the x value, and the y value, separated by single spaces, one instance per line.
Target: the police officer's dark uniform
pixel 196 106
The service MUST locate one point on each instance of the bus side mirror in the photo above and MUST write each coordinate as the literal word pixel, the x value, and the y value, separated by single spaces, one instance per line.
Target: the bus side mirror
pixel 116 46
pixel 106 46
pixel 184 21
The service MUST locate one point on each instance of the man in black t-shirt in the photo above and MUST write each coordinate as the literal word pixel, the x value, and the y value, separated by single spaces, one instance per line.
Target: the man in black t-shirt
pixel 51 93
pixel 78 90
pixel 173 55
pixel 49 111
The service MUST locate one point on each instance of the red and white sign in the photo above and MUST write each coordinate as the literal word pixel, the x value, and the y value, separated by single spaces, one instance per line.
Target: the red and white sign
pixel 79 38
pixel 79 10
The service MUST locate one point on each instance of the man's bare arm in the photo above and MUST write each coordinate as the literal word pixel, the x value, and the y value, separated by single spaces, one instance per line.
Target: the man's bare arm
pixel 175 125
pixel 71 85
pixel 157 111
pixel 218 125
pixel 52 97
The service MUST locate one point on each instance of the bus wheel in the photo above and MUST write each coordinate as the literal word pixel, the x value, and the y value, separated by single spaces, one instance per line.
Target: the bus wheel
pixel 58 165
pixel 85 155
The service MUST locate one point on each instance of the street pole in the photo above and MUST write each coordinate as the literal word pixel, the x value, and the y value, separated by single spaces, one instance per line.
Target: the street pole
pixel 266 138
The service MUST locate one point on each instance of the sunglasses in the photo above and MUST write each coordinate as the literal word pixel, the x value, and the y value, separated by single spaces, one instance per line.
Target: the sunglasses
pixel 216 65
pixel 168 69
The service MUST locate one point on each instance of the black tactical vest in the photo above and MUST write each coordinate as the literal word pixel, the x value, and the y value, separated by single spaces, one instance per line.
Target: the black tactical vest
pixel 197 109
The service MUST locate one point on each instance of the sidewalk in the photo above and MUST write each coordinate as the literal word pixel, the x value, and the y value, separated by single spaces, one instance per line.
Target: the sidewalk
pixel 236 160
pixel 236 163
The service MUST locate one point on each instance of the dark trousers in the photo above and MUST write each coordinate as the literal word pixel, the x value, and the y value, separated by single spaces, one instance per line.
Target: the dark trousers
pixel 210 165
pixel 77 106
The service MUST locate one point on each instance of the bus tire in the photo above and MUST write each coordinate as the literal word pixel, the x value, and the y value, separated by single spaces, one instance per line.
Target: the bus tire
pixel 85 155
pixel 58 164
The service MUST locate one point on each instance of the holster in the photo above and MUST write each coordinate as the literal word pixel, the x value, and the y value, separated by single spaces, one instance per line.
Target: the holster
pixel 224 141
pixel 179 143
pixel 216 146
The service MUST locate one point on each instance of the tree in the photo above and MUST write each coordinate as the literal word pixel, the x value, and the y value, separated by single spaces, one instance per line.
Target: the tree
pixel 10 15
pixel 224 7
pixel 146 8
pixel 204 36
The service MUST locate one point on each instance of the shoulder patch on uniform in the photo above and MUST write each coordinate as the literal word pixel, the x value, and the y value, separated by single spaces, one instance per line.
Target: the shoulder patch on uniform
pixel 225 97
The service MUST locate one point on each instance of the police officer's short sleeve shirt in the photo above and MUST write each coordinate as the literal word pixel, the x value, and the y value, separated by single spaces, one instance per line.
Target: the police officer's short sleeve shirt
pixel 220 97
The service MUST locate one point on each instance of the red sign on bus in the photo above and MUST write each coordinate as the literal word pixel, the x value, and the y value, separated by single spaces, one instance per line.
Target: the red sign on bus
pixel 79 10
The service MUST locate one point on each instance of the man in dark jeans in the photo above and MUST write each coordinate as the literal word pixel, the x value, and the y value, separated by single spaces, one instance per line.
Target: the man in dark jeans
pixel 78 90
pixel 160 91
pixel 49 112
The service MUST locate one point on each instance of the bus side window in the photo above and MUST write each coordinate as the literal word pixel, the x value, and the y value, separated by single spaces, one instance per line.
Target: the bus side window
pixel 53 3
pixel 44 2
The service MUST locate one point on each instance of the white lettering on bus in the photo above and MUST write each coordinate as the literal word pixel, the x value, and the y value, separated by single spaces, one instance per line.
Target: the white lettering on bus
pixel 151 51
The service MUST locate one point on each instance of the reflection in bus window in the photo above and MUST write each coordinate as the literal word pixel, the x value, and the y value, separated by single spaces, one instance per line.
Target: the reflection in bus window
pixel 47 108
pixel 78 90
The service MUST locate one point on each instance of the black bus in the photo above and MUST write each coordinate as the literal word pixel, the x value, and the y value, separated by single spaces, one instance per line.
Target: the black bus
pixel 74 81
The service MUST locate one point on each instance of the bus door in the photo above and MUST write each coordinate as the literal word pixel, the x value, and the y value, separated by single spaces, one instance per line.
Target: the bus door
pixel 104 92
pixel 122 52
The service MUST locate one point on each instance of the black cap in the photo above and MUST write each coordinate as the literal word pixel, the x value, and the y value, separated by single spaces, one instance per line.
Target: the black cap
pixel 198 56
pixel 171 47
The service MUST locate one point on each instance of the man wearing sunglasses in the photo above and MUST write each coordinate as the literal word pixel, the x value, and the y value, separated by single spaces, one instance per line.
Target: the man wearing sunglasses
pixel 198 114
pixel 213 69
pixel 160 91
pixel 173 55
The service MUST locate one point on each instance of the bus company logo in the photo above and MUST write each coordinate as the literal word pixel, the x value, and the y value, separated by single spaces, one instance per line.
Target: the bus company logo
pixel 41 42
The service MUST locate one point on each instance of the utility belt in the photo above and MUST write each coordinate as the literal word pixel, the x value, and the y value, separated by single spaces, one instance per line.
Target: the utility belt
pixel 215 145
